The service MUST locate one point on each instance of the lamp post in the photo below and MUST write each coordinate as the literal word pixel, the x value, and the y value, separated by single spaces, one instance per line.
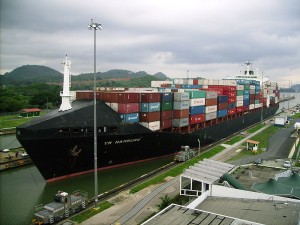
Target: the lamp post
pixel 262 86
pixel 95 26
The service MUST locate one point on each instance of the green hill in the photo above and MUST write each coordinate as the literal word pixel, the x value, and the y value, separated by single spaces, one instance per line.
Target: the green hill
pixel 30 74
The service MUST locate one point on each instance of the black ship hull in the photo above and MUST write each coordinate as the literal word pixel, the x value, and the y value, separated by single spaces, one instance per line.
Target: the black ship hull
pixel 66 148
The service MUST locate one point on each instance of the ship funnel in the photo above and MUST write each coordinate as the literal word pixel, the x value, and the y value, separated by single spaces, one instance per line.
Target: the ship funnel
pixel 65 95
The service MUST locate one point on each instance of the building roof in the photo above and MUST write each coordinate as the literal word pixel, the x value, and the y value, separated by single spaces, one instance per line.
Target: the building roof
pixel 253 142
pixel 31 110
pixel 176 214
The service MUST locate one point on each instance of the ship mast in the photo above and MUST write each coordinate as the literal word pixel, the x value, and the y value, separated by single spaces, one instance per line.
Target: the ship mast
pixel 65 95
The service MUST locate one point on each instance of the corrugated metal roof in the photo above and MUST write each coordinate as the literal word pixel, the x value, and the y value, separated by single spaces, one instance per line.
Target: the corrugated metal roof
pixel 207 171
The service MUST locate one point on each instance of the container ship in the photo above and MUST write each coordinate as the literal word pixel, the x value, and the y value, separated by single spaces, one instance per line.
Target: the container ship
pixel 138 124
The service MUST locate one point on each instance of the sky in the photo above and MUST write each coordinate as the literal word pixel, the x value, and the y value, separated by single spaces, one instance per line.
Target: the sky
pixel 191 38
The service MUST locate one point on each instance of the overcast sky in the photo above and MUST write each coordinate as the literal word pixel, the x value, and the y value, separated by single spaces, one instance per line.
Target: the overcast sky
pixel 207 38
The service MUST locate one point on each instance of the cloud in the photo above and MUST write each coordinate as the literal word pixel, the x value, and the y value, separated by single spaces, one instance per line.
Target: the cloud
pixel 205 37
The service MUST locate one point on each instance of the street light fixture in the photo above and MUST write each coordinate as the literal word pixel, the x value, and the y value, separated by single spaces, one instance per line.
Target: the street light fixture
pixel 95 26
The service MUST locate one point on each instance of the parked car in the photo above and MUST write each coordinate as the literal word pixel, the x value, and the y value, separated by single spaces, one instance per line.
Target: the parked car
pixel 258 161
pixel 287 164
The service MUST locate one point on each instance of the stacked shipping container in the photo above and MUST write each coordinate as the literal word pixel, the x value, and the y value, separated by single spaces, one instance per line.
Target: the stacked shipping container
pixel 185 102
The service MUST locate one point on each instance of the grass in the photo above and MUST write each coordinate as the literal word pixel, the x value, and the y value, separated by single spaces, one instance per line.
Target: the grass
pixel 178 169
pixel 234 140
pixel 256 128
pixel 13 121
pixel 79 218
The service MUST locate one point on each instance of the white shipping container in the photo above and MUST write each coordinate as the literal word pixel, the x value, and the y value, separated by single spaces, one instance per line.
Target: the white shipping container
pixel 273 84
pixel 210 116
pixel 276 99
pixel 210 109
pixel 205 82
pixel 211 94
pixel 157 83
pixel 239 103
pixel 152 125
pixel 251 106
pixel 240 87
pixel 197 101
pixel 259 105
pixel 240 98
pixel 229 82
pixel 183 122
pixel 188 81
pixel 200 81
pixel 252 87
pixel 251 92
pixel 181 96
pixel 181 105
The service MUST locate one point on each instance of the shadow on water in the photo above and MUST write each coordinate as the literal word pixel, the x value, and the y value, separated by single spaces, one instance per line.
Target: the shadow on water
pixel 24 188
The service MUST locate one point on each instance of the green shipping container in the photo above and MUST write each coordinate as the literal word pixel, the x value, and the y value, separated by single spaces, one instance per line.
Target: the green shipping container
pixel 166 106
pixel 247 87
pixel 239 92
pixel 195 93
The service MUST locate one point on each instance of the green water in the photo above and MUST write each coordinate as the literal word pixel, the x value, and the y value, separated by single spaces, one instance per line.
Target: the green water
pixel 24 188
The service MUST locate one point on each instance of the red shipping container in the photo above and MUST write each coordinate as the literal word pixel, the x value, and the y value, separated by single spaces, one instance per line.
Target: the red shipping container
pixel 240 109
pixel 231 99
pixel 126 97
pixel 168 114
pixel 230 93
pixel 197 118
pixel 222 106
pixel 229 88
pixel 231 111
pixel 177 114
pixel 149 116
pixel 215 89
pixel 195 81
pixel 128 108
pixel 150 97
pixel 211 102
pixel 166 124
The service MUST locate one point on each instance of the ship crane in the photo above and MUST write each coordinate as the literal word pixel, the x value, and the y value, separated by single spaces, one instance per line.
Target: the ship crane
pixel 65 95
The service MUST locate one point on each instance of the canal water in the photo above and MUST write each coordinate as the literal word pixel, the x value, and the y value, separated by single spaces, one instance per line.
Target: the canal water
pixel 23 188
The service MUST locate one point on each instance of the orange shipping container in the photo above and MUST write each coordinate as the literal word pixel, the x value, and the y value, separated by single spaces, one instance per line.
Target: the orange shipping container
pixel 150 97
pixel 222 106
pixel 149 116
pixel 168 114
pixel 177 114
pixel 211 102
pixel 166 124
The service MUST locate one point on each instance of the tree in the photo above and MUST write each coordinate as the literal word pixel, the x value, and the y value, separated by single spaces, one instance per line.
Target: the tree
pixel 165 201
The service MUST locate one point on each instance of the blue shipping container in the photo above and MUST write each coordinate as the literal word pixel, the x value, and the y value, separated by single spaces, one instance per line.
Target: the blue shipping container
pixel 222 98
pixel 246 102
pixel 246 92
pixel 150 107
pixel 222 113
pixel 231 105
pixel 166 97
pixel 194 110
pixel 131 117
pixel 246 97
